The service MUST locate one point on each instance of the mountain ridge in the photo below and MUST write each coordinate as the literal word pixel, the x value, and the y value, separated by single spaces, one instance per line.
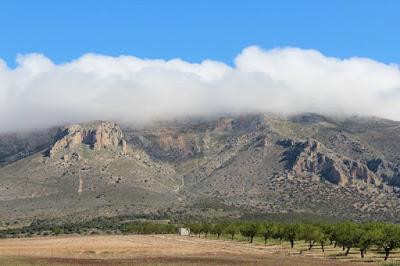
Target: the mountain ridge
pixel 219 167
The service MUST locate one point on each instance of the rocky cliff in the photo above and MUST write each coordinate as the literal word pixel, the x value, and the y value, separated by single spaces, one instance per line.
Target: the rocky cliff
pixel 103 135
pixel 312 156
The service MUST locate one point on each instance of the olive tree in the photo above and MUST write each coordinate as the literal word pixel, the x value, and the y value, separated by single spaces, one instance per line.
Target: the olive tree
pixel 387 238
pixel 365 238
pixel 205 228
pixel 217 229
pixel 279 232
pixel 290 233
pixel 231 230
pixel 249 230
pixel 312 234
pixel 347 235
pixel 266 231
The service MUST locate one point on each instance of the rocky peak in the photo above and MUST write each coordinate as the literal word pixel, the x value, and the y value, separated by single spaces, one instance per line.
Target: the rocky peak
pixel 99 135
pixel 312 156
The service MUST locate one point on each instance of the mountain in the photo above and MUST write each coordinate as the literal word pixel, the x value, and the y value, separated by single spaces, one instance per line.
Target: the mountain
pixel 343 168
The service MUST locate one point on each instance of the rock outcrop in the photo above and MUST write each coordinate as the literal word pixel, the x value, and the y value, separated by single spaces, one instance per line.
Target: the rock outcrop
pixel 311 156
pixel 102 135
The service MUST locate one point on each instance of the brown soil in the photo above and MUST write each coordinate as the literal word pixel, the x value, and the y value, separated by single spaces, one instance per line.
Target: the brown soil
pixel 147 250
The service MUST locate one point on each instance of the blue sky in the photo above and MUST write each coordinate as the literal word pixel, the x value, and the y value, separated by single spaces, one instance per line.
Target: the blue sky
pixel 262 79
pixel 197 30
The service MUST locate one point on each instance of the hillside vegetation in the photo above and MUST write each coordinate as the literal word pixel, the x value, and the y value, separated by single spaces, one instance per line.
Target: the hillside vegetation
pixel 228 167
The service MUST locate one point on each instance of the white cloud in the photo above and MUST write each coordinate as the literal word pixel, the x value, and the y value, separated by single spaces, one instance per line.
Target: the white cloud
pixel 39 93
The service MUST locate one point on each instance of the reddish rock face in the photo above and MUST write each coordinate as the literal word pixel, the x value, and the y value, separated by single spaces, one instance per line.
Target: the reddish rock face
pixel 107 135
pixel 185 143
pixel 312 156
pixel 103 136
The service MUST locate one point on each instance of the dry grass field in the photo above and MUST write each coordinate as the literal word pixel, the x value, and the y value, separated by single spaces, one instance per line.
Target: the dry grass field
pixel 164 250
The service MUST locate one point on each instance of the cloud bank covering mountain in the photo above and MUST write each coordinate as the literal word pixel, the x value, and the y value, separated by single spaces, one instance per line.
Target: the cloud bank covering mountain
pixel 39 93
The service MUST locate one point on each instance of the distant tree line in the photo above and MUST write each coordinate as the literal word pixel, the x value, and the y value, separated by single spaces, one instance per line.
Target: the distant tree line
pixel 148 228
pixel 98 225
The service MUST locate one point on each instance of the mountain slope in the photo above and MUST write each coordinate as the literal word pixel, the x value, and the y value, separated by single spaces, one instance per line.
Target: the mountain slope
pixel 343 167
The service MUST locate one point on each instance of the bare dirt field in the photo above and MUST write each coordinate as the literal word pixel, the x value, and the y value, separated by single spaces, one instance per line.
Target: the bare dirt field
pixel 151 250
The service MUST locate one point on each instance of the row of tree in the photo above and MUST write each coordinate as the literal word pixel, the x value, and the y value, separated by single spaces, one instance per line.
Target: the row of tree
pixel 347 235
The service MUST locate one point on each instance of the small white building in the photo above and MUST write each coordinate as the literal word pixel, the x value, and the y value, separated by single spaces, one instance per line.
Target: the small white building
pixel 183 231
